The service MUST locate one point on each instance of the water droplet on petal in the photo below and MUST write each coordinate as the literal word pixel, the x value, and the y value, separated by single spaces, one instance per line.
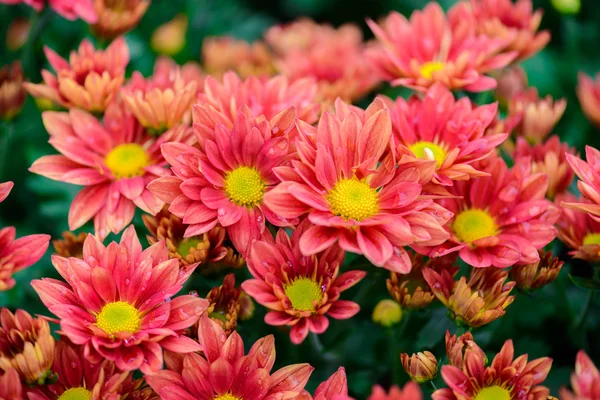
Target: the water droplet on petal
pixel 193 293
pixel 271 151
pixel 221 212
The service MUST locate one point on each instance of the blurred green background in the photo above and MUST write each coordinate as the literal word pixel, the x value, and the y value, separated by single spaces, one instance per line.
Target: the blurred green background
pixel 541 324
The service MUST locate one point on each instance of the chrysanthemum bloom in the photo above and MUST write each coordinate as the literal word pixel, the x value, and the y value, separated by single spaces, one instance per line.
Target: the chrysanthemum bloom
pixel 116 17
pixel 454 56
pixel 264 97
pixel 117 302
pixel 410 290
pixel 578 230
pixel 10 386
pixel 410 391
pixel 535 117
pixel 585 381
pixel 225 304
pixel 334 388
pixel 475 302
pixel 516 23
pixel 68 9
pixel 225 373
pixel 12 91
pixel 421 367
pixel 353 194
pixel 335 58
pixel 225 53
pixel 387 313
pixel 451 132
pixel 540 273
pixel 226 182
pixel 247 307
pixel 169 38
pixel 78 378
pixel 17 254
pixel 499 220
pixel 89 80
pixel 159 103
pixel 70 245
pixel 26 345
pixel 208 249
pixel 588 93
pixel 504 379
pixel 301 291
pixel 457 347
pixel 589 184
pixel 17 33
pixel 511 81
pixel 114 161
pixel 549 158
pixel 165 68
pixel 37 5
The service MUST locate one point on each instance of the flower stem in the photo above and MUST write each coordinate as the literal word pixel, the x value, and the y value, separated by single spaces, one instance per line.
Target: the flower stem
pixel 433 386
pixel 29 54
pixel 6 139
pixel 584 310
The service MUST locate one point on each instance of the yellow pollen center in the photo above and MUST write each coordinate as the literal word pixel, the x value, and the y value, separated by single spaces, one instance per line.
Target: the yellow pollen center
pixel 493 393
pixel 591 238
pixel 244 186
pixel 118 316
pixel 474 224
pixel 353 199
pixel 127 160
pixel 303 293
pixel 430 67
pixel 429 151
pixel 76 394
pixel 227 396
pixel 186 245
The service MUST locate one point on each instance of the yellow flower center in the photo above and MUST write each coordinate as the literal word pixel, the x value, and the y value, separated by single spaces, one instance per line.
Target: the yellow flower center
pixel 244 186
pixel 493 393
pixel 430 67
pixel 118 316
pixel 429 151
pixel 227 396
pixel 303 293
pixel 353 199
pixel 186 245
pixel 591 238
pixel 76 394
pixel 474 224
pixel 127 160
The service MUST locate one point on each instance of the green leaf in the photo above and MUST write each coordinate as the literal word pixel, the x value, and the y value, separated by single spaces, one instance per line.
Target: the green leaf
pixel 584 283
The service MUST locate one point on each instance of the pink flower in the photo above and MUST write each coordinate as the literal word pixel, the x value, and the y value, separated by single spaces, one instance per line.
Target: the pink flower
pixel 334 388
pixel 578 230
pixel 410 391
pixel 69 9
pixel 588 93
pixel 589 184
pixel 585 380
pixel 450 132
pixel 429 48
pixel 114 161
pixel 225 373
pixel 225 182
pixel 16 255
pixel 90 79
pixel 116 302
pixel 348 184
pixel 501 219
pixel 10 386
pixel 300 291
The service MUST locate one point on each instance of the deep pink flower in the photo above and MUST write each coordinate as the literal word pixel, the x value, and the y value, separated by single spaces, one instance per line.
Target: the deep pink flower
pixel 429 48
pixel 501 219
pixel 451 132
pixel 585 380
pixel 578 230
pixel 69 9
pixel 300 291
pixel 225 182
pixel 5 189
pixel 225 373
pixel 588 93
pixel 349 185
pixel 114 161
pixel 334 388
pixel 410 391
pixel 589 183
pixel 10 386
pixel 116 302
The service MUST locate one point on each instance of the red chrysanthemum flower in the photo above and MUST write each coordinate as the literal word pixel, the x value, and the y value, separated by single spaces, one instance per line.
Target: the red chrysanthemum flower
pixel 226 53
pixel 10 386
pixel 410 391
pixel 578 230
pixel 12 90
pixel 90 79
pixel 225 373
pixel 17 254
pixel 334 388
pixel 585 381
pixel 515 23
pixel 68 9
pixel 348 183
pixel 506 378
pixel 457 347
pixel 588 93
pixel 300 291
pixel 429 48
pixel 501 219
pixel 78 378
pixel 589 183
pixel 335 58
pixel 451 132
pixel 114 161
pixel 117 302
pixel 226 181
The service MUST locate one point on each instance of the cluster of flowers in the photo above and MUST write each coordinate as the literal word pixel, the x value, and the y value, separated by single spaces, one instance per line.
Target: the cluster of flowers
pixel 264 136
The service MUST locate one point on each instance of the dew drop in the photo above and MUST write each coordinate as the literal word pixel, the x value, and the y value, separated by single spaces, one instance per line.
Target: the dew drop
pixel 221 212
pixel 271 151
pixel 193 293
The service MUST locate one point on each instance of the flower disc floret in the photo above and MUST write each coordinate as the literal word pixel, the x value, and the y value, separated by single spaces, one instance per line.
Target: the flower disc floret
pixel 127 160
pixel 493 393
pixel 474 224
pixel 76 394
pixel 353 199
pixel 245 186
pixel 118 316
pixel 429 151
pixel 303 293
